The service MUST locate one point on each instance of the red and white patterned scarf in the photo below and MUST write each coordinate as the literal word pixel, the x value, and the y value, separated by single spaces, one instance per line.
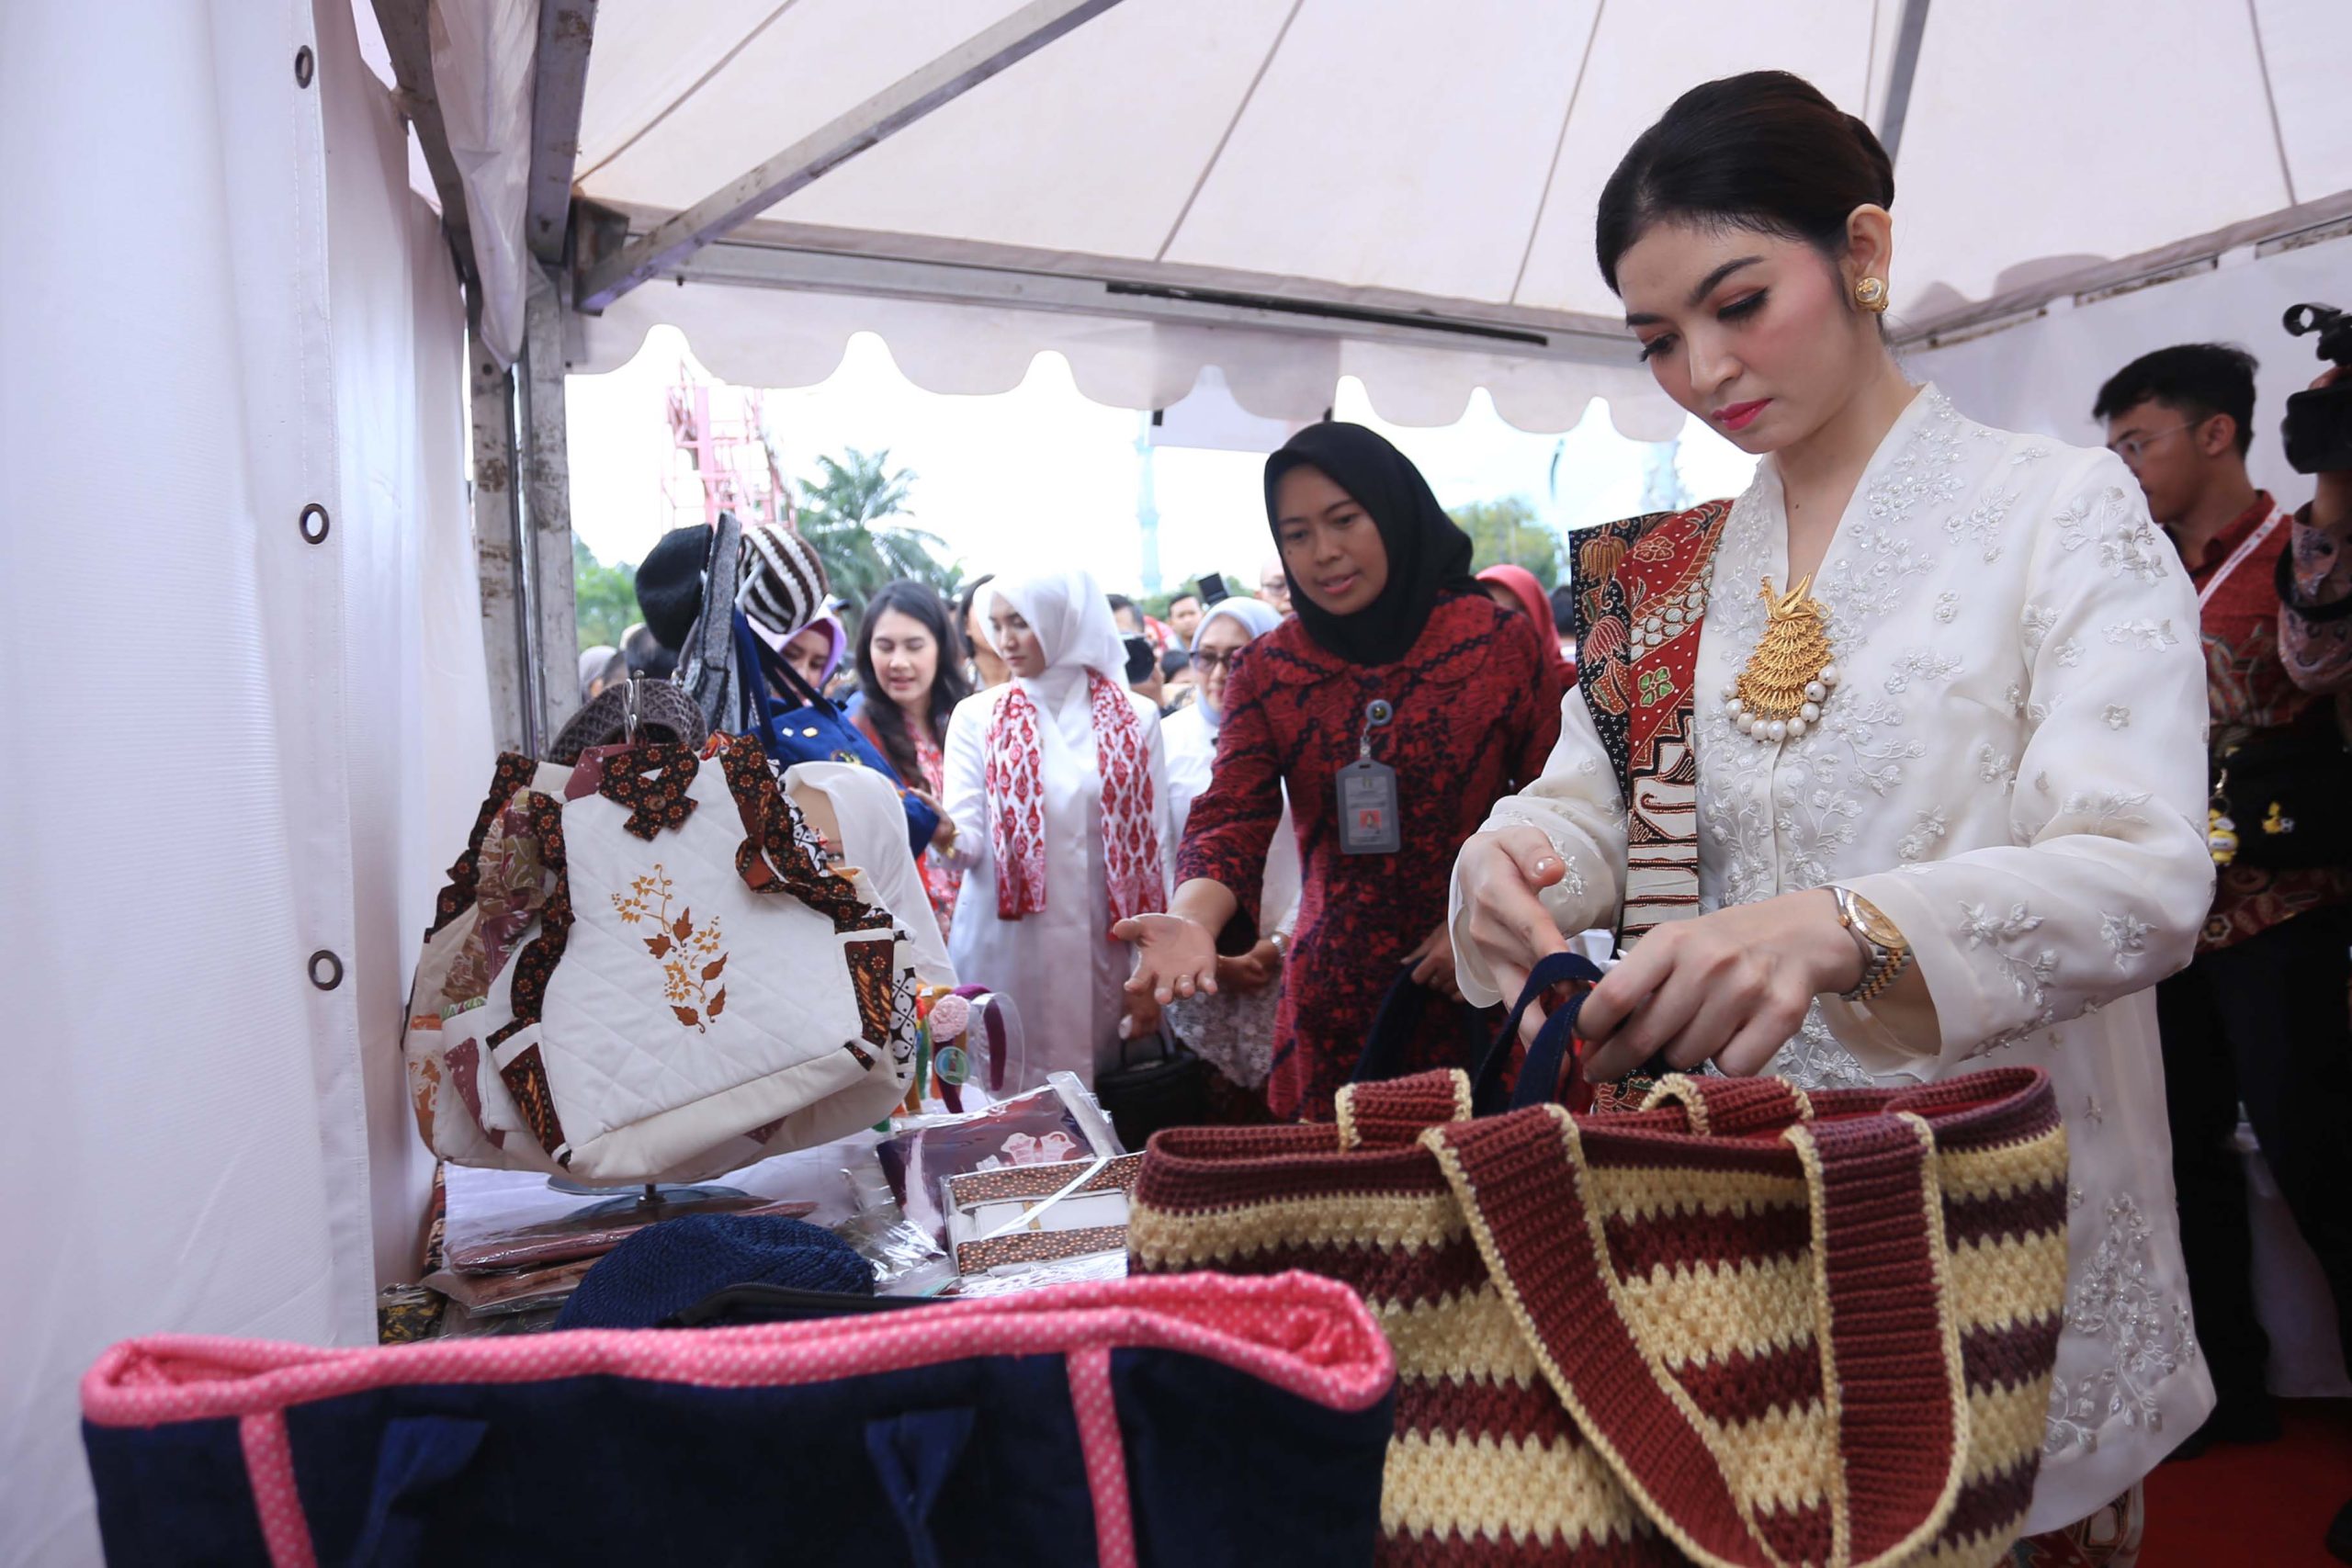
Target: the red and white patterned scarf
pixel 1014 776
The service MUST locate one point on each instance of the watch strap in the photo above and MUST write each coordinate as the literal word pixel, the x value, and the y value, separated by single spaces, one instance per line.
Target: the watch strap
pixel 1881 964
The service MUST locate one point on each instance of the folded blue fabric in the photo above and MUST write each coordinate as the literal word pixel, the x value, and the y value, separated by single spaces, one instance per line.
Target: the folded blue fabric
pixel 667 1268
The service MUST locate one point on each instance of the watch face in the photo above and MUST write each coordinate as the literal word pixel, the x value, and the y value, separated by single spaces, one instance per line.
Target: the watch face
pixel 1876 925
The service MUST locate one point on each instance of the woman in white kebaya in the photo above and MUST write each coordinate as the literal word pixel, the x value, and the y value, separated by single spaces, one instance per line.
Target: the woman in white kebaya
pixel 1058 785
pixel 1943 690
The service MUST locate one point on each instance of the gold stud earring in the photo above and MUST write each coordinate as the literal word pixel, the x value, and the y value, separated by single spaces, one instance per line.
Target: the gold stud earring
pixel 1870 295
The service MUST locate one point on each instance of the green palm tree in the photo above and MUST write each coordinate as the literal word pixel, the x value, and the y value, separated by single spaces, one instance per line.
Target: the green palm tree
pixel 843 515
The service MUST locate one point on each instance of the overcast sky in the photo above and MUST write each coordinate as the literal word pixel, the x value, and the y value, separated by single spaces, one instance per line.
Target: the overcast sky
pixel 1039 473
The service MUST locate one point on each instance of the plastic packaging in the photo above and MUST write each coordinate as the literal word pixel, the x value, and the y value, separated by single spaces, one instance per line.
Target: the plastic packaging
pixel 1059 1122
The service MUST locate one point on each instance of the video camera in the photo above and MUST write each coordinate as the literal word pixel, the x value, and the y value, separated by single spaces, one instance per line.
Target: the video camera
pixel 2319 420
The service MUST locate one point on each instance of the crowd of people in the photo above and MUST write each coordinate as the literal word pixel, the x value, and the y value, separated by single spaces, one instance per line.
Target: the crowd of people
pixel 1895 766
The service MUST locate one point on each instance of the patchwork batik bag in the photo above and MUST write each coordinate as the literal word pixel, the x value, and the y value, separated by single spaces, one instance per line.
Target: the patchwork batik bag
pixel 644 969
pixel 1747 1324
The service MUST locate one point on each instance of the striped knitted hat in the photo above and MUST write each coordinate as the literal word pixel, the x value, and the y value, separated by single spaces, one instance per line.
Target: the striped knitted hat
pixel 783 583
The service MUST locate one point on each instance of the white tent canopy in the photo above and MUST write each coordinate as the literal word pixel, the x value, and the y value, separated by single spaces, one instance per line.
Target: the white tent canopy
pixel 1431 163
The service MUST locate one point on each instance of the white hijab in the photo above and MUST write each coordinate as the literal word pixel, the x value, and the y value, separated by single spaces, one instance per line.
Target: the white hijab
pixel 1071 619
pixel 1255 616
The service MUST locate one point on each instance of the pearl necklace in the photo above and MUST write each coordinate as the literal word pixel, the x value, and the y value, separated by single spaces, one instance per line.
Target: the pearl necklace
pixel 1787 680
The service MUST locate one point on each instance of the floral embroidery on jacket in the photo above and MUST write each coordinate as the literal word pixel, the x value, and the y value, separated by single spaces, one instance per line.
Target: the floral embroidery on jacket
pixel 2150 1333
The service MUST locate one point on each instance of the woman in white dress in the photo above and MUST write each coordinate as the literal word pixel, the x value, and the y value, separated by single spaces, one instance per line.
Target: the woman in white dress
pixel 1233 1027
pixel 1943 690
pixel 1058 785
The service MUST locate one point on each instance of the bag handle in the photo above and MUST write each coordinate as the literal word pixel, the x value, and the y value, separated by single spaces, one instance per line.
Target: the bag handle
pixel 1392 1027
pixel 1720 1107
pixel 1552 969
pixel 1395 1112
pixel 1889 1348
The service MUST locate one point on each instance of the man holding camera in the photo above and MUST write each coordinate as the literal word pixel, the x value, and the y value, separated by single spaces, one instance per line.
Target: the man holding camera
pixel 2260 1015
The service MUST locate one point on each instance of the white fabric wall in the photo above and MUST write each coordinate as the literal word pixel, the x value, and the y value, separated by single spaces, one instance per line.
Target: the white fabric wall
pixel 217 304
pixel 2043 375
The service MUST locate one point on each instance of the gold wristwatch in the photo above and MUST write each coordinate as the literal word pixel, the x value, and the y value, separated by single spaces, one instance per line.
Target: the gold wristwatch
pixel 1885 953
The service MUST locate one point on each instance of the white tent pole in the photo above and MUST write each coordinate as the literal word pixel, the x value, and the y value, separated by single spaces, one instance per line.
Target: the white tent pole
pixel 903 103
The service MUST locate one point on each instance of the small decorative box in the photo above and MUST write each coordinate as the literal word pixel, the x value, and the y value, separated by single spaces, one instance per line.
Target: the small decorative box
pixel 999 1220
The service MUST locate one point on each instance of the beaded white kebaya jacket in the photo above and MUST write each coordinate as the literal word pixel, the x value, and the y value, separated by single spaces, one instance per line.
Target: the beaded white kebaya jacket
pixel 2011 766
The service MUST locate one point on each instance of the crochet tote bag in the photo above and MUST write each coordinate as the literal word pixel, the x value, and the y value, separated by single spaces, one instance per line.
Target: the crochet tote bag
pixel 1746 1325
pixel 642 969
pixel 1177 1422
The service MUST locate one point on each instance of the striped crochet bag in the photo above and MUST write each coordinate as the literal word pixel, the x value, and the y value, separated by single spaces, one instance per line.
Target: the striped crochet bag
pixel 1744 1325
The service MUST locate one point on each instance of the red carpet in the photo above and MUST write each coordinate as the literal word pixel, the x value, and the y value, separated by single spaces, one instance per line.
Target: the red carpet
pixel 2268 1504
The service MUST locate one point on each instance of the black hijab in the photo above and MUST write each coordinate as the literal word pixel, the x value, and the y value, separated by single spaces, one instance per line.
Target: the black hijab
pixel 1428 556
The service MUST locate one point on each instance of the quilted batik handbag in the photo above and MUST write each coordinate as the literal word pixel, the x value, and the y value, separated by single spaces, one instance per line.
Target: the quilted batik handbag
pixel 643 969
pixel 1163 1422
pixel 1747 1324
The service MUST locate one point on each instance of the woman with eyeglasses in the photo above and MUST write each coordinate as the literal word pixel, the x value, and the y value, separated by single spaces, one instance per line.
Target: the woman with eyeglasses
pixel 1232 1028
pixel 1910 734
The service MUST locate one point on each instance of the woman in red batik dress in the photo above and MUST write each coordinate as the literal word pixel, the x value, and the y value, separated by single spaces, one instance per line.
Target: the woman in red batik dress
pixel 1395 656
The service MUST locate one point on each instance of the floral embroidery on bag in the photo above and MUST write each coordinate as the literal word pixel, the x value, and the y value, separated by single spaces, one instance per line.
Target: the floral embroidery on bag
pixel 2118 717
pixel 689 954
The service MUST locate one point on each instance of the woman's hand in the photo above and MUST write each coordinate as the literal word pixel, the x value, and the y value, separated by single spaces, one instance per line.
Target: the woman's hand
pixel 943 836
pixel 1175 956
pixel 1507 924
pixel 1432 962
pixel 1730 986
pixel 1252 971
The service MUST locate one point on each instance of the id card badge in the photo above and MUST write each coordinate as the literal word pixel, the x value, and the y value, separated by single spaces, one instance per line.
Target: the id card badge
pixel 1368 809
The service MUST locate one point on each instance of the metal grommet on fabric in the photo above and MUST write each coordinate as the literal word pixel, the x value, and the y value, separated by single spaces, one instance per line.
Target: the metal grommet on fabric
pixel 303 60
pixel 326 970
pixel 315 523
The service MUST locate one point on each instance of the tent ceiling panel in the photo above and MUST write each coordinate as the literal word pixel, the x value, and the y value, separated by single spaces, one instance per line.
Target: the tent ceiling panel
pixel 1344 166
pixel 2305 47
pixel 1091 146
pixel 2043 137
pixel 1632 79
pixel 680 102
pixel 1441 157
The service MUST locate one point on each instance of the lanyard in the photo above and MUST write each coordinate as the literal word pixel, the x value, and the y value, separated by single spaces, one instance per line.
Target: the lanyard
pixel 2253 543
